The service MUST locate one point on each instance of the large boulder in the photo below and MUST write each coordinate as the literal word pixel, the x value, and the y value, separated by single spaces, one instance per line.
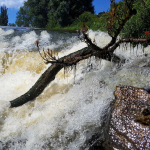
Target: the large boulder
pixel 130 122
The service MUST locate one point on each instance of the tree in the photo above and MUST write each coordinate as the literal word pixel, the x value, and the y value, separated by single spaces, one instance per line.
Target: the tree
pixel 3 16
pixel 76 8
pixel 116 19
pixel 58 13
pixel 64 12
pixel 23 19
pixel 38 10
pixel 34 13
pixel 52 12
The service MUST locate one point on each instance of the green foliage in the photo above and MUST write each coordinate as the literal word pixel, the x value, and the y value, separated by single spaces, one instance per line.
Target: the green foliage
pixel 92 21
pixel 118 15
pixel 23 19
pixel 52 13
pixel 139 23
pixel 101 14
pixel 76 8
pixel 51 23
pixel 38 10
pixel 58 14
pixel 86 17
pixel 3 16
pixel 12 24
pixel 70 14
pixel 63 13
pixel 33 12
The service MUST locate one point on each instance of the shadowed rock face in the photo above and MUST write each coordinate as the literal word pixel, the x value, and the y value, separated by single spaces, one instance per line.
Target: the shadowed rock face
pixel 130 122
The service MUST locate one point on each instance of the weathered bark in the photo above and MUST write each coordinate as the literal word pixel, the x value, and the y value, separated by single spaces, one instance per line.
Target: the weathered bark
pixel 50 73
pixel 69 60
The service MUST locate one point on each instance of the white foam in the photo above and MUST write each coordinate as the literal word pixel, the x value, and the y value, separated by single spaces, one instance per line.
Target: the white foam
pixel 8 32
pixel 66 114
pixel 15 40
pixel 1 31
pixel 44 37
pixel 4 44
pixel 15 84
pixel 101 38
pixel 28 40
pixel 4 33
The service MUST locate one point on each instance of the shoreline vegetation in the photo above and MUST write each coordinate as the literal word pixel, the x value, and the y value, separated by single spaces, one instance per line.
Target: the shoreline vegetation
pixel 71 20
pixel 94 22
pixel 136 27
pixel 69 16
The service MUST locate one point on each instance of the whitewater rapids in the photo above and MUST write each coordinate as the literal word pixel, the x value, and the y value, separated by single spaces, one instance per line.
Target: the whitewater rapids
pixel 69 110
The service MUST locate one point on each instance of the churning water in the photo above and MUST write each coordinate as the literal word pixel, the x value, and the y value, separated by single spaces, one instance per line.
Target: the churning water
pixel 69 111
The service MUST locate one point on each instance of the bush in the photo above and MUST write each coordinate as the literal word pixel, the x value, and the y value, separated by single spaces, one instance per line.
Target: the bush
pixel 139 23
pixel 51 23
pixel 94 22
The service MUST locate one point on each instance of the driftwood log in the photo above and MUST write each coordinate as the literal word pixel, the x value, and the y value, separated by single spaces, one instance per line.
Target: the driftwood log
pixel 50 73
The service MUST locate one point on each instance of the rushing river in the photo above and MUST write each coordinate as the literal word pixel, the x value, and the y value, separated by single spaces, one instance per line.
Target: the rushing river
pixel 69 110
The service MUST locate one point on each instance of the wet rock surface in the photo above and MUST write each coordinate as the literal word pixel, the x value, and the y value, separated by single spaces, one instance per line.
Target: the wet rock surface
pixel 130 121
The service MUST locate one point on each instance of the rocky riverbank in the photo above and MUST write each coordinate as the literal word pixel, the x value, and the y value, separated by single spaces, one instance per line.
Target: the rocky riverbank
pixel 129 126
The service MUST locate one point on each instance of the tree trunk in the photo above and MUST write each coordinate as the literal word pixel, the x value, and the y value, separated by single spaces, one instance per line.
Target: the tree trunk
pixel 50 73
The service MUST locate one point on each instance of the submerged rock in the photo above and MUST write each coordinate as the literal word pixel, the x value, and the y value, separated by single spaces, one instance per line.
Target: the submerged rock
pixel 130 121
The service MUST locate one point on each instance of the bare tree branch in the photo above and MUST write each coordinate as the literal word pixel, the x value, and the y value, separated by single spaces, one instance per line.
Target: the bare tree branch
pixel 49 75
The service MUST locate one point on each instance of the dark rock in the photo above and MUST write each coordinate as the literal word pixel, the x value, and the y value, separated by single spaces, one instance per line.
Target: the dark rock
pixel 130 121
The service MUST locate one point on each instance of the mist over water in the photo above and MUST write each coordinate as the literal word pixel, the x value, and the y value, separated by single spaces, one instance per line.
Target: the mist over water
pixel 69 111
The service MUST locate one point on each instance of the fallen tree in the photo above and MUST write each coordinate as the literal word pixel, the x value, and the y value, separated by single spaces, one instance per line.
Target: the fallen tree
pixel 116 20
